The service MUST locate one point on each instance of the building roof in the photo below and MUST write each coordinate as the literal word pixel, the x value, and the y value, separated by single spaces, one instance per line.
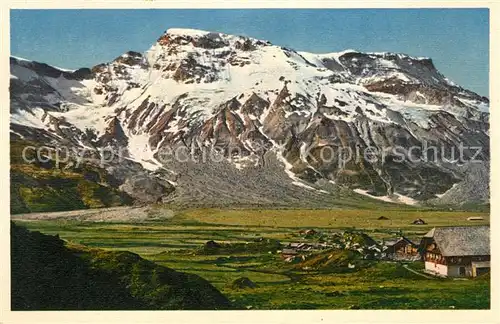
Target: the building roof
pixel 461 240
pixel 402 238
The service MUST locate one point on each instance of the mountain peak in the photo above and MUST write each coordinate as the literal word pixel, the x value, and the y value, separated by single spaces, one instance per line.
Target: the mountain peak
pixel 204 38
pixel 216 89
pixel 187 32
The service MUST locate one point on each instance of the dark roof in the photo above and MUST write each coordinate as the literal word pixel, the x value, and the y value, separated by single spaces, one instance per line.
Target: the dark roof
pixel 461 240
pixel 402 238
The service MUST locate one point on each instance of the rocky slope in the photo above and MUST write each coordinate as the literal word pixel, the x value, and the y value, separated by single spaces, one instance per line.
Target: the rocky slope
pixel 282 123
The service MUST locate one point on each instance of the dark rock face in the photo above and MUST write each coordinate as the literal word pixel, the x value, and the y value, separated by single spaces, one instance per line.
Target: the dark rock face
pixel 36 86
pixel 52 72
pixel 190 71
pixel 210 41
pixel 422 82
pixel 114 134
pixel 82 74
pixel 245 45
pixel 130 58
pixel 285 123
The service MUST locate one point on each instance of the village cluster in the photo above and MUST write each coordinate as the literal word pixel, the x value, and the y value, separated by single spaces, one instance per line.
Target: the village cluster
pixel 460 251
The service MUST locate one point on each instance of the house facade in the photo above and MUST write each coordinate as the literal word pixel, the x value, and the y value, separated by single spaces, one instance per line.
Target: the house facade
pixel 462 251
pixel 402 249
pixel 402 246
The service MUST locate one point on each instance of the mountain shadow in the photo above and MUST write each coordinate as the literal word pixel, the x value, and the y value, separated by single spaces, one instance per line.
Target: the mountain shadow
pixel 48 274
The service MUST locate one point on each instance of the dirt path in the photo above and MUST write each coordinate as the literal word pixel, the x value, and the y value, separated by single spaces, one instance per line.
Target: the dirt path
pixel 292 276
pixel 113 214
pixel 416 272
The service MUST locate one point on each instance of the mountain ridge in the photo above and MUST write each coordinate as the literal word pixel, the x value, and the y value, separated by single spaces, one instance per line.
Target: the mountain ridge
pixel 198 89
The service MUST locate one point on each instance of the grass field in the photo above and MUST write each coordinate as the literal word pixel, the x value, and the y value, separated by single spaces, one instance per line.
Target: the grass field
pixel 382 285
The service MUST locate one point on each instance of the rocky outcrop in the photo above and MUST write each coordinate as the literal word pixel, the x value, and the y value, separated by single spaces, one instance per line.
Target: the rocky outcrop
pixel 145 189
pixel 114 134
pixel 130 58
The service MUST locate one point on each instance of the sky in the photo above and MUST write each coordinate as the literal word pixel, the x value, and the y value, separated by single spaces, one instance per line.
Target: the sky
pixel 456 39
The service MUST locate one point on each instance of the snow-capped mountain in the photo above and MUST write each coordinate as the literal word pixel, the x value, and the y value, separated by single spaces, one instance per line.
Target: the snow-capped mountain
pixel 271 112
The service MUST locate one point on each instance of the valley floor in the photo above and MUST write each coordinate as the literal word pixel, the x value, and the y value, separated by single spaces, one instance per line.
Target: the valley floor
pixel 176 239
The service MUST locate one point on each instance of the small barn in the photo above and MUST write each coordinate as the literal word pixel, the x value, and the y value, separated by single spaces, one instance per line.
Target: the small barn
pixel 419 221
pixel 460 251
pixel 288 253
pixel 308 232
pixel 212 245
pixel 475 218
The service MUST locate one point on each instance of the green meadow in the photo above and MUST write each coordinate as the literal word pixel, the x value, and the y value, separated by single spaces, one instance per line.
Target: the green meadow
pixel 178 243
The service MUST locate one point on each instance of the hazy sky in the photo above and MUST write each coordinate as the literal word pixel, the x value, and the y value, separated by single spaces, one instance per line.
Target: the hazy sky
pixel 456 39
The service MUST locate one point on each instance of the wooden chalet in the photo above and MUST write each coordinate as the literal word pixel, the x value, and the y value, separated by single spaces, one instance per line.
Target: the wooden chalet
pixel 402 245
pixel 462 251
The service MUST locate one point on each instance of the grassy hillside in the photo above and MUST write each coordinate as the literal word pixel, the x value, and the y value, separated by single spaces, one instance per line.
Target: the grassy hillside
pixel 45 186
pixel 48 275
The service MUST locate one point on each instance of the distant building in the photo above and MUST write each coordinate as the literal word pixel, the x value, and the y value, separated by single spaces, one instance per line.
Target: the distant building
pixel 475 218
pixel 309 232
pixel 289 255
pixel 419 221
pixel 401 246
pixel 402 249
pixel 288 252
pixel 462 251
